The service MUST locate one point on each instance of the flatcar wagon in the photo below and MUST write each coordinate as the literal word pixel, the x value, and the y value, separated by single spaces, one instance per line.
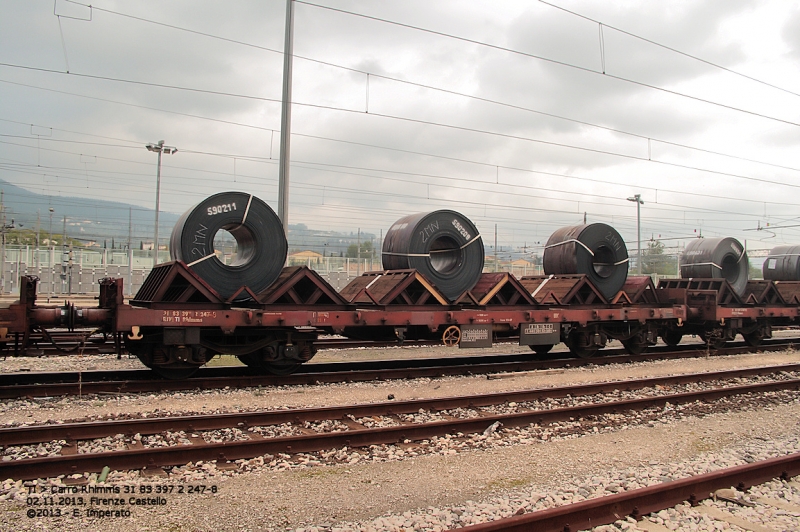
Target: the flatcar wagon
pixel 269 316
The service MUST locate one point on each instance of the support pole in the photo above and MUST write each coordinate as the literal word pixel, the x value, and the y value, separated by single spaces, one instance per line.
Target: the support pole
pixel 286 119
pixel 158 206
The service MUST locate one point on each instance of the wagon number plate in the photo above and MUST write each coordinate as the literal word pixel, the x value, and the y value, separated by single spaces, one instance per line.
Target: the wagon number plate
pixel 539 333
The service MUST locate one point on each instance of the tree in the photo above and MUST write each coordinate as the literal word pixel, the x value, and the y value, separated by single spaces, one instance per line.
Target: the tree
pixel 754 272
pixel 366 250
pixel 654 260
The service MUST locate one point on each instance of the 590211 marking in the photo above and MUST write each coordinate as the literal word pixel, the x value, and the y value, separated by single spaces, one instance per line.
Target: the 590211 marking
pixel 218 209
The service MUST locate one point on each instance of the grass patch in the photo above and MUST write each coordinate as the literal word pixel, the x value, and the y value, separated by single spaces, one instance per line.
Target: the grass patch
pixel 224 360
pixel 507 483
pixel 704 445
pixel 319 472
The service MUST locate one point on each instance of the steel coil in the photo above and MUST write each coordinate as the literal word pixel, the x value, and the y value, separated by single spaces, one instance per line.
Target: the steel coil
pixel 782 264
pixel 260 240
pixel 444 246
pixel 716 258
pixel 596 250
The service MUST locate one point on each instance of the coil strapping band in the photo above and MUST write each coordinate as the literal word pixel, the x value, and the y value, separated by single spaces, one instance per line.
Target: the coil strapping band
pixel 428 254
pixel 587 249
pixel 247 210
pixel 201 260
pixel 375 280
pixel 714 264
pixel 533 294
pixel 571 240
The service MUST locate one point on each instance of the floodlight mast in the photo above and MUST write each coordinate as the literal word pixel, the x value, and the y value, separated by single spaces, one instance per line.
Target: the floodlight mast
pixel 638 199
pixel 169 150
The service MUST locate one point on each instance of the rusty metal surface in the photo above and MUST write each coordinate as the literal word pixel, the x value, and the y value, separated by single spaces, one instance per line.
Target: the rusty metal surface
pixel 300 285
pixel 636 503
pixel 399 299
pixel 640 290
pixel 396 287
pixel 500 289
pixel 175 283
pixel 762 293
pixel 228 451
pixel 701 291
pixel 789 290
pixel 563 290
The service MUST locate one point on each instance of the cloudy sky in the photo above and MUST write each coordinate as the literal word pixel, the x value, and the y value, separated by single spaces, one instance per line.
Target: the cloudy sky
pixel 522 115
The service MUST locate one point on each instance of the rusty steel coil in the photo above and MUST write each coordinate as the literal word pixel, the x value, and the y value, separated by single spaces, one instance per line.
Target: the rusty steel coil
pixel 782 264
pixel 444 246
pixel 260 241
pixel 596 250
pixel 716 258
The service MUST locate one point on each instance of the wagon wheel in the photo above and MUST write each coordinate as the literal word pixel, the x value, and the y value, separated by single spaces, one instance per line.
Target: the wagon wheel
pixel 451 336
pixel 541 349
pixel 635 345
pixel 282 369
pixel 753 339
pixel 577 346
pixel 175 373
pixel 148 354
pixel 583 351
pixel 264 357
pixel 671 338
pixel 255 362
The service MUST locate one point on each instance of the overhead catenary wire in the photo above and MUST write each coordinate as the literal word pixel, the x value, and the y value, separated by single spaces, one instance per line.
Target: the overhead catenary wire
pixel 547 59
pixel 671 49
pixel 378 75
pixel 497 206
pixel 538 188
pixel 316 163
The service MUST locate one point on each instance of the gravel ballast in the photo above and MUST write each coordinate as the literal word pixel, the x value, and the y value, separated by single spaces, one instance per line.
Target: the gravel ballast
pixel 444 487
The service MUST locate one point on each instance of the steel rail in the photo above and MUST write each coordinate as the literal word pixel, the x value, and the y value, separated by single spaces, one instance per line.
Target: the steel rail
pixel 234 450
pixel 66 343
pixel 61 377
pixel 101 429
pixel 587 514
pixel 33 384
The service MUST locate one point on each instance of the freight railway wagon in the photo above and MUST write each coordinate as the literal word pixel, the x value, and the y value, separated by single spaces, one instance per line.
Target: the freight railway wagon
pixel 196 307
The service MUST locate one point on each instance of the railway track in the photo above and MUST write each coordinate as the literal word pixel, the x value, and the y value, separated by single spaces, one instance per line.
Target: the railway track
pixel 58 343
pixel 636 503
pixel 252 434
pixel 34 384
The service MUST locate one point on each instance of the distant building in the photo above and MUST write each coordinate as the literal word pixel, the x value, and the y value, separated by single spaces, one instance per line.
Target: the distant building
pixel 305 257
